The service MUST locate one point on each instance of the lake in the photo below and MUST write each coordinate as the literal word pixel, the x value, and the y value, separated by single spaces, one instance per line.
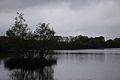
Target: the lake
pixel 100 64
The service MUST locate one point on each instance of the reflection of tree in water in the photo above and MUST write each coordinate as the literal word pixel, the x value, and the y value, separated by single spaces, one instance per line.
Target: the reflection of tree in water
pixel 31 68
pixel 39 74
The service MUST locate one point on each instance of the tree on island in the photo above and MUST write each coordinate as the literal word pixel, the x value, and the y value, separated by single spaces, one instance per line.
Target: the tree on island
pixel 45 37
pixel 20 37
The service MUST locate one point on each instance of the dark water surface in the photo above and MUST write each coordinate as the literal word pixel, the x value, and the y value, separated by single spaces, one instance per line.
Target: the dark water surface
pixel 102 65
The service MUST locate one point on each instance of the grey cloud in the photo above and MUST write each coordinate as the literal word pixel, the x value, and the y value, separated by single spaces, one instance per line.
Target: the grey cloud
pixel 67 17
pixel 8 5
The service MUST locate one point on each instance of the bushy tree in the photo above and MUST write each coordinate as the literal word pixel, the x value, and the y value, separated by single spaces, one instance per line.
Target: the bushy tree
pixel 45 36
pixel 43 32
pixel 19 29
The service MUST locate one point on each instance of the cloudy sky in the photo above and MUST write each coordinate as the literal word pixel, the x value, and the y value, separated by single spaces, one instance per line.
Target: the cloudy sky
pixel 67 17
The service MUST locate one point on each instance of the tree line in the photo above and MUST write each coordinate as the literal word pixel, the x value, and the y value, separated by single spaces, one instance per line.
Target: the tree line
pixel 20 37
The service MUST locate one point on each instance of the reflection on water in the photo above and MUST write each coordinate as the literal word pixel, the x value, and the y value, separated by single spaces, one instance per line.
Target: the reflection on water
pixel 63 67
pixel 30 67
pixel 45 73
pixel 27 69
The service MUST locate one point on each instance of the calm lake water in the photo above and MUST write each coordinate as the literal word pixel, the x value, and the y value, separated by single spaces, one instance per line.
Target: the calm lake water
pixel 82 65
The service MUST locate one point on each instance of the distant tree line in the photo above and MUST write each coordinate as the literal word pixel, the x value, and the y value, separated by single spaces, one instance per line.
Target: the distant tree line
pixel 85 42
pixel 20 37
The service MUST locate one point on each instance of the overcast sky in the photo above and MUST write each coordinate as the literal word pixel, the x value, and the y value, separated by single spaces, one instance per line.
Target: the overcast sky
pixel 67 17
